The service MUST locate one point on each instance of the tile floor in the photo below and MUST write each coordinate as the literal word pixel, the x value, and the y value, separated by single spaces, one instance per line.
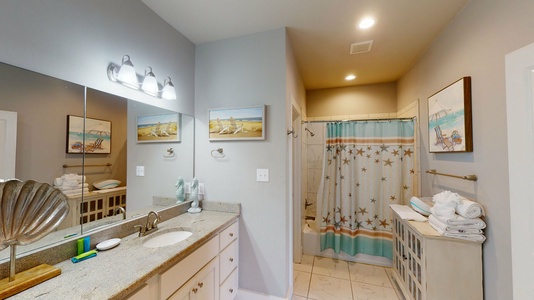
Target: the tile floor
pixel 319 278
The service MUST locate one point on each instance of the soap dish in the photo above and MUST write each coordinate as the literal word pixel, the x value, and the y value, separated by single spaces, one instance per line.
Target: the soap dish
pixel 108 244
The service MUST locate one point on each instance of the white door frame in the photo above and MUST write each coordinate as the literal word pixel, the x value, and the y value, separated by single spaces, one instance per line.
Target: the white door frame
pixel 520 121
pixel 8 144
pixel 296 164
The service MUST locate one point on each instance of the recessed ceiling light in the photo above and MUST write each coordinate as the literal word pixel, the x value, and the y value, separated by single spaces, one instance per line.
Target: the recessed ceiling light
pixel 366 23
pixel 350 77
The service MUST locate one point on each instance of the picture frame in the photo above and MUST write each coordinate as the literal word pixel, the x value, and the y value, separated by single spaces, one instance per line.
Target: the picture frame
pixel 161 128
pixel 96 132
pixel 237 124
pixel 450 118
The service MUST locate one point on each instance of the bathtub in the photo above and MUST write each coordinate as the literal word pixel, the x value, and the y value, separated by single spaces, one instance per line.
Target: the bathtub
pixel 311 246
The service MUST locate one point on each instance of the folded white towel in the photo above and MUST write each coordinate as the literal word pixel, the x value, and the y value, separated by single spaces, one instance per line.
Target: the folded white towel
pixel 453 229
pixel 469 209
pixel 74 193
pixel 468 237
pixel 407 213
pixel 76 187
pixel 458 220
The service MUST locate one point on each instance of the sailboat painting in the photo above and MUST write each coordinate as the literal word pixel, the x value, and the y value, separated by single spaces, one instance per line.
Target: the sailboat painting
pixel 449 118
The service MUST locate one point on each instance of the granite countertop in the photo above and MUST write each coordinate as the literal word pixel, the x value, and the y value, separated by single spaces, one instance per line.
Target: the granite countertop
pixel 115 273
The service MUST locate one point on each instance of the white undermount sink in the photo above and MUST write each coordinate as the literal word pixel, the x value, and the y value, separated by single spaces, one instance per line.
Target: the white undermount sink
pixel 167 238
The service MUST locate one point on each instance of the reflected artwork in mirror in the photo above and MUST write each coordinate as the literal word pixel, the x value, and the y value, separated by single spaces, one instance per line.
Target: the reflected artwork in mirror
pixel 41 105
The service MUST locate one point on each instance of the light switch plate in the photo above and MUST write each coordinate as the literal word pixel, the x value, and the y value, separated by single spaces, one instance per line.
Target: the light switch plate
pixel 262 175
pixel 140 170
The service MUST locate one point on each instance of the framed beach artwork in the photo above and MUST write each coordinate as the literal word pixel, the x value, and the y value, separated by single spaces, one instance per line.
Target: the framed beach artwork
pixel 242 123
pixel 97 135
pixel 162 128
pixel 449 118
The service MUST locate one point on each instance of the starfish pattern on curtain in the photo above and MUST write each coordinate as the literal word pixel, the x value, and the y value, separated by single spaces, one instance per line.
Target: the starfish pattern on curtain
pixel 368 166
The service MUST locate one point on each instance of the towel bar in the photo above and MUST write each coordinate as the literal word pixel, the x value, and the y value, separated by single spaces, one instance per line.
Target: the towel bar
pixel 471 177
pixel 74 166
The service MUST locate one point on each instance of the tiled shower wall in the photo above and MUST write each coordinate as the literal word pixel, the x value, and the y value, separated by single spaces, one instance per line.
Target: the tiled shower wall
pixel 312 164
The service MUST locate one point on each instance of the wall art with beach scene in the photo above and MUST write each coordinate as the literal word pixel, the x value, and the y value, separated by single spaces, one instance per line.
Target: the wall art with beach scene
pixel 449 118
pixel 242 123
pixel 97 135
pixel 162 128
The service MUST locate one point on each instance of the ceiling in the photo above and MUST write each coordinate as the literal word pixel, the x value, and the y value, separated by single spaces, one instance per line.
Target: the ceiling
pixel 321 32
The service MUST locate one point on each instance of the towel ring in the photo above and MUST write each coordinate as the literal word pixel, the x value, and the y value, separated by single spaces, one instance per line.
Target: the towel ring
pixel 220 151
pixel 170 153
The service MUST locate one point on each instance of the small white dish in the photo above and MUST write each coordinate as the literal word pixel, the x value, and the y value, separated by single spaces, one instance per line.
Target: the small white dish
pixel 108 244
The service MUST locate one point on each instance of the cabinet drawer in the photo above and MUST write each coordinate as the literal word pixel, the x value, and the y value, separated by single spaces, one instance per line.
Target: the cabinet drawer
pixel 228 235
pixel 228 259
pixel 180 273
pixel 228 289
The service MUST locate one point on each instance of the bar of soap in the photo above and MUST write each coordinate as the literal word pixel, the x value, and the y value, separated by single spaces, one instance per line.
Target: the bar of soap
pixel 108 244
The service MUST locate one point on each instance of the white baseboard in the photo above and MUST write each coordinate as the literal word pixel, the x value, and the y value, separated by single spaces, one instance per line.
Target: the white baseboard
pixel 250 295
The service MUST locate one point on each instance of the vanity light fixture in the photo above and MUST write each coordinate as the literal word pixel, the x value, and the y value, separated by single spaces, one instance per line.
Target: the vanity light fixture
pixel 168 92
pixel 150 84
pixel 126 75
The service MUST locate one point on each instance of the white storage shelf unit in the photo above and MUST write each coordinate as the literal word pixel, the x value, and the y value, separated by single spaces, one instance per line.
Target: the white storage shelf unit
pixel 430 266
pixel 95 206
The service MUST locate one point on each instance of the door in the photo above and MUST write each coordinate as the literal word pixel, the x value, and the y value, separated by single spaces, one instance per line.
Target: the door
pixel 520 119
pixel 8 143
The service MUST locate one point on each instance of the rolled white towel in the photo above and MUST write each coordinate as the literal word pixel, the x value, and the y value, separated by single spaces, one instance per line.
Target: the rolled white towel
pixel 469 209
pixel 453 229
pixel 457 220
pixel 468 237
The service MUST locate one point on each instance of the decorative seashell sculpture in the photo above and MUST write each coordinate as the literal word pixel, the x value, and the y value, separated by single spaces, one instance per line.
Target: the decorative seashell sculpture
pixel 29 210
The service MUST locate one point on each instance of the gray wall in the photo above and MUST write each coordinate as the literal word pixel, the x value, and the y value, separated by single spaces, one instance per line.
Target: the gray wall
pixel 77 40
pixel 475 44
pixel 248 71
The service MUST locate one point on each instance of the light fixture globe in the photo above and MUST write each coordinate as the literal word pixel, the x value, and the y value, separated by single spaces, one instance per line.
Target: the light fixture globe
pixel 168 92
pixel 150 84
pixel 127 74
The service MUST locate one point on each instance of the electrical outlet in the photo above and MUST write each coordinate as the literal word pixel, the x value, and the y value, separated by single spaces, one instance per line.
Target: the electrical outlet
pixel 262 175
pixel 140 170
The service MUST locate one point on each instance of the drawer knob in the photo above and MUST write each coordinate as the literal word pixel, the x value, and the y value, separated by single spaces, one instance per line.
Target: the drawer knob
pixel 231 290
pixel 195 290
pixel 231 234
pixel 231 259
pixel 200 284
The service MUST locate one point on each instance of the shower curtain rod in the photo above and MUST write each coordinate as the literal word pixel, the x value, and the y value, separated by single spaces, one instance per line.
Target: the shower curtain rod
pixel 359 120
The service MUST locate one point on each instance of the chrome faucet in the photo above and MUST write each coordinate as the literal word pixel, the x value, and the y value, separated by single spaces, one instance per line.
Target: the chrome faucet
pixel 149 226
pixel 121 209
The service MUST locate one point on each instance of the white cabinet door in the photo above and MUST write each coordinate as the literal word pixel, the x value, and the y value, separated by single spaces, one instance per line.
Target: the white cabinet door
pixel 203 286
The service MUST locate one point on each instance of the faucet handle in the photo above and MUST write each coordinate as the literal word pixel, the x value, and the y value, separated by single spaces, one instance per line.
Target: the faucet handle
pixel 142 229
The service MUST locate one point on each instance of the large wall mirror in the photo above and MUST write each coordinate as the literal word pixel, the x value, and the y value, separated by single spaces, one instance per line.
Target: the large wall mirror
pixel 56 145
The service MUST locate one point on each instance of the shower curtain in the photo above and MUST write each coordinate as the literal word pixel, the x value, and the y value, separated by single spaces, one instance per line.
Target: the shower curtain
pixel 368 166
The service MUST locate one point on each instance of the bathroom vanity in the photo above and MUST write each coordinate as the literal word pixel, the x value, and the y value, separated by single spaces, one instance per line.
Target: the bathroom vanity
pixel 210 272
pixel 205 265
